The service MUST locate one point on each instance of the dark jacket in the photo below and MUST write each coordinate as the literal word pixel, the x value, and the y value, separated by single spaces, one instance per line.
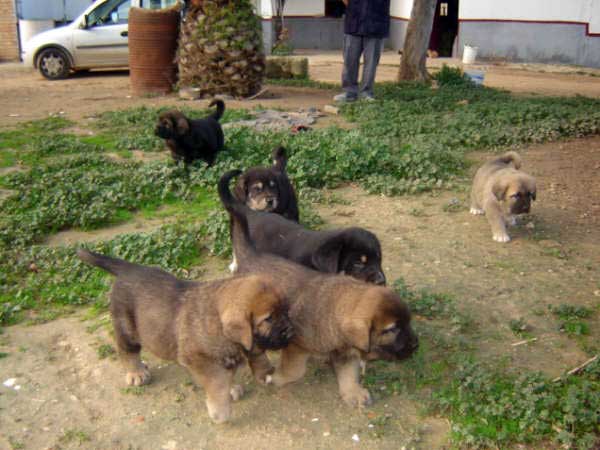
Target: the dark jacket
pixel 370 18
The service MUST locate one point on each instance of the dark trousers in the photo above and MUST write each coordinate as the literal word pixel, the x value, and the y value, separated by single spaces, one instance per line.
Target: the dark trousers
pixel 370 48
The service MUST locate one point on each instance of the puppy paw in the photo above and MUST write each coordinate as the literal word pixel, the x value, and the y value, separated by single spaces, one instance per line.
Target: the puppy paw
pixel 233 267
pixel 138 377
pixel 476 211
pixel 363 367
pixel 357 398
pixel 501 238
pixel 264 376
pixel 276 379
pixel 236 392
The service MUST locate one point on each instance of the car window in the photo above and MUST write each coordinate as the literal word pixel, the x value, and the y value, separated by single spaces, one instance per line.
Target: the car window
pixel 111 12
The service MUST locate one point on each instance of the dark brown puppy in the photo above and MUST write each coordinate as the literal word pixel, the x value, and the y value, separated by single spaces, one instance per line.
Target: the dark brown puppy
pixel 190 140
pixel 206 327
pixel 268 188
pixel 350 251
pixel 334 315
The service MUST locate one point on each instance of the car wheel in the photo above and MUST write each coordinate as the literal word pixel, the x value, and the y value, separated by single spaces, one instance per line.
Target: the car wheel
pixel 53 64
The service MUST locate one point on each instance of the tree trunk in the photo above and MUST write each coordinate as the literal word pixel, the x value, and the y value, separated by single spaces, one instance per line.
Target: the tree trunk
pixel 414 53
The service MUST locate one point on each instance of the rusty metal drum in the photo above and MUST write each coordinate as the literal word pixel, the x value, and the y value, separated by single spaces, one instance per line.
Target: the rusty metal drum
pixel 152 46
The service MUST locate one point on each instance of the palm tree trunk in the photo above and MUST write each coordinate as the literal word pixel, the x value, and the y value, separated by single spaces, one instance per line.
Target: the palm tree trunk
pixel 414 53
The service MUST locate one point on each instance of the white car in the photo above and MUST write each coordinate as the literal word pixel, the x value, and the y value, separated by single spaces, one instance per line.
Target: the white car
pixel 95 39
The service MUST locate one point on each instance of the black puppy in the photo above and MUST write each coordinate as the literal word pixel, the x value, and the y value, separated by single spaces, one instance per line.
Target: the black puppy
pixel 190 140
pixel 268 188
pixel 351 251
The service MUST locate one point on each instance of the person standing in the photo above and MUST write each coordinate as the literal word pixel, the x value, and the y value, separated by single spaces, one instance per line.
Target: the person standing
pixel 366 25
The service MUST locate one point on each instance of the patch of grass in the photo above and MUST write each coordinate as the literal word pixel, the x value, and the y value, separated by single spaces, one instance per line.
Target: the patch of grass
pixel 571 319
pixel 8 158
pixel 106 351
pixel 490 408
pixel 23 133
pixel 519 327
pixel 134 390
pixel 61 280
pixel 83 192
pixel 3 355
pixel 74 436
pixel 14 444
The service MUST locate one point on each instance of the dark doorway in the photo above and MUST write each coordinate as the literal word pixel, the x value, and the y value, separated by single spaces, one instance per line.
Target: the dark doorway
pixel 445 27
pixel 334 8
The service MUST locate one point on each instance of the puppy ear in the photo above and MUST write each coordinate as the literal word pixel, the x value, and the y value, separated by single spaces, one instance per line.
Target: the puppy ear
pixel 279 158
pixel 240 189
pixel 499 190
pixel 357 332
pixel 237 327
pixel 182 124
pixel 327 257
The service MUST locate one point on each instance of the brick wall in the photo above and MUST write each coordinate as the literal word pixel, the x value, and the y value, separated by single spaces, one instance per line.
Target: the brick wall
pixel 9 47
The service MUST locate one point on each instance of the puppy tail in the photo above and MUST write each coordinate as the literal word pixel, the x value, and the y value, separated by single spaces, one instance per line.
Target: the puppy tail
pixel 220 109
pixel 240 232
pixel 279 156
pixel 511 157
pixel 111 265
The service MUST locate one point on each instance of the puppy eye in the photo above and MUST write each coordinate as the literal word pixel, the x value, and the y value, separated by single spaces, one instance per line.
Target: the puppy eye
pixel 268 319
pixel 388 331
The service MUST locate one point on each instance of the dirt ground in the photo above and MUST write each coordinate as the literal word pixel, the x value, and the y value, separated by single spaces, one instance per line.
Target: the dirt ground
pixel 71 398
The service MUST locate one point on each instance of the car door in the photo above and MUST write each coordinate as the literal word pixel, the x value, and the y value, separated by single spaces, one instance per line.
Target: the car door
pixel 101 41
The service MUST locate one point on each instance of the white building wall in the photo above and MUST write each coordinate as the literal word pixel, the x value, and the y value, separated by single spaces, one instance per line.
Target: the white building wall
pixel 314 8
pixel 528 10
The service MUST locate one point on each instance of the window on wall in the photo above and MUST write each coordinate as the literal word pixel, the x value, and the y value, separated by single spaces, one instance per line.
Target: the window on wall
pixel 334 8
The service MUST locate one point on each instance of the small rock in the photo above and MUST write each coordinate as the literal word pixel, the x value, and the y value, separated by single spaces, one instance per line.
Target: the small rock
pixel 371 425
pixel 315 419
pixel 355 438
pixel 10 382
pixel 330 109
pixel 530 226
pixel 326 433
pixel 597 293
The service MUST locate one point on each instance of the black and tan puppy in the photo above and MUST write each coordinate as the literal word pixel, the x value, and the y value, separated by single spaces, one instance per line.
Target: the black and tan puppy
pixel 501 191
pixel 268 188
pixel 334 315
pixel 350 251
pixel 189 140
pixel 206 327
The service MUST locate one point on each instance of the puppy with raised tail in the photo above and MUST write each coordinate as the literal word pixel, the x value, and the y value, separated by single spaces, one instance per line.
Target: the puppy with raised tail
pixel 209 328
pixel 189 140
pixel 345 319
pixel 501 191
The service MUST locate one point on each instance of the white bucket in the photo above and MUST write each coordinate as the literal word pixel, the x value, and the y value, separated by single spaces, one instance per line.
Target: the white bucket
pixel 469 54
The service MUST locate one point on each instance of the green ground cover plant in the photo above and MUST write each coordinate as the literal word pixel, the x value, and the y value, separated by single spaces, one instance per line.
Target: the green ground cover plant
pixel 413 139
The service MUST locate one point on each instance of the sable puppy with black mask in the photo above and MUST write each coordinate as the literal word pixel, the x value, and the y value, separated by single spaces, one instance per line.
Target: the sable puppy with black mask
pixel 210 328
pixel 501 191
pixel 338 316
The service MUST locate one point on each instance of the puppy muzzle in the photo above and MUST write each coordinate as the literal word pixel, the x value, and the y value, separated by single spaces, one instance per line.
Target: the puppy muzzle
pixel 403 348
pixel 281 333
pixel 377 278
pixel 162 132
